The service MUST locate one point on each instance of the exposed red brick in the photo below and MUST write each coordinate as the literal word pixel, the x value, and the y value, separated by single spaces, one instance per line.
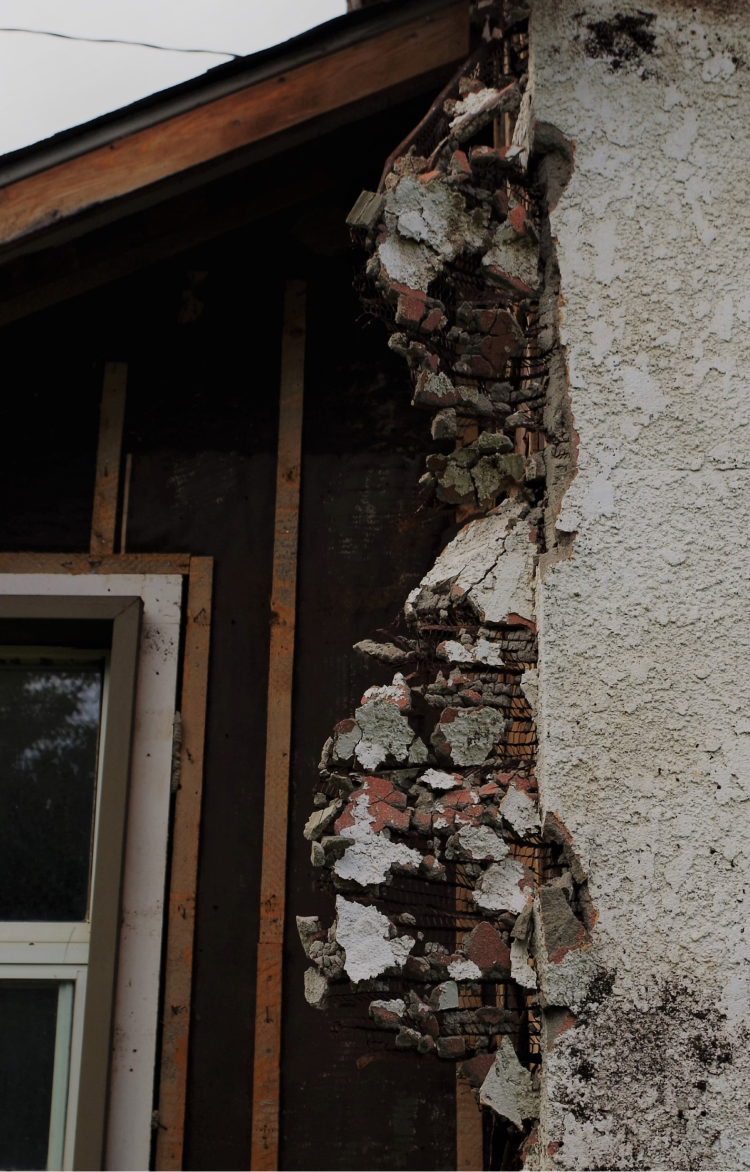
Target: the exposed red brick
pixel 486 947
pixel 476 1069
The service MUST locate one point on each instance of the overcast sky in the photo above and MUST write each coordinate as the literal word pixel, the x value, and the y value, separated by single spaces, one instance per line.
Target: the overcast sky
pixel 48 84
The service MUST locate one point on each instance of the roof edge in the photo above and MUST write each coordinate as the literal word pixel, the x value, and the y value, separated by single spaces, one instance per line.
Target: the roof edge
pixel 217 82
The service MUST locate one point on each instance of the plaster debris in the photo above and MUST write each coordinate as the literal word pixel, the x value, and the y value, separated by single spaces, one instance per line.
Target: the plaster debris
pixel 477 109
pixel 520 969
pixel 484 653
pixel 504 887
pixel 371 856
pixel 446 995
pixel 467 737
pixel 380 730
pixel 387 653
pixel 478 842
pixel 320 820
pixel 438 779
pixel 439 768
pixel 520 812
pixel 432 214
pixel 464 970
pixel 507 1088
pixel 363 933
pixel 489 565
pixel 395 1006
pixel 316 987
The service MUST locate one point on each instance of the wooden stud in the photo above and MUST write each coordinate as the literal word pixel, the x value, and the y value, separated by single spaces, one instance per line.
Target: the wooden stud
pixel 469 1140
pixel 183 880
pixel 107 482
pixel 125 501
pixel 266 1072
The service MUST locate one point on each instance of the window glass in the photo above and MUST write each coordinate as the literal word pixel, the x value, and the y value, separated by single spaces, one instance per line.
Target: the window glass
pixel 49 732
pixel 35 1018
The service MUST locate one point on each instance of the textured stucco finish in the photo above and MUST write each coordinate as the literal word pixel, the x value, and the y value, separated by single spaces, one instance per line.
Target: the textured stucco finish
pixel 644 673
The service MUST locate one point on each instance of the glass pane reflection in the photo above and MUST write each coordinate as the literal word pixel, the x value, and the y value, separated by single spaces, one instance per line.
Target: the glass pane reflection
pixel 49 731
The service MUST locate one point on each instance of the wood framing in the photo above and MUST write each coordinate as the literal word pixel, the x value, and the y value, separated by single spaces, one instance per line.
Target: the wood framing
pixel 266 1071
pixel 469 1139
pixel 106 487
pixel 84 563
pixel 232 122
pixel 183 881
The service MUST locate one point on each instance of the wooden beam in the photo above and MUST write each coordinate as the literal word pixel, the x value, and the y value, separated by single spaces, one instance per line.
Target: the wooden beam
pixel 84 563
pixel 232 122
pixel 469 1139
pixel 183 880
pixel 106 486
pixel 266 1071
pixel 126 501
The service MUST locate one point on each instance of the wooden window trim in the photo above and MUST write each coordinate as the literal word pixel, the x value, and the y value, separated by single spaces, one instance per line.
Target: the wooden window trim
pixel 124 613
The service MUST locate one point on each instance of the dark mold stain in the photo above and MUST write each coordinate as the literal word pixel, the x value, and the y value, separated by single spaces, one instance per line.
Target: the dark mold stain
pixel 622 39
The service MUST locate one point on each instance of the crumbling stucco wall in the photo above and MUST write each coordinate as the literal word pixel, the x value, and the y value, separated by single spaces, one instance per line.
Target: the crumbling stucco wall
pixel 644 719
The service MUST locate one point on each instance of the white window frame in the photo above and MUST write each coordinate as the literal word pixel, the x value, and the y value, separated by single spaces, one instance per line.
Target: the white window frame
pixel 136 1012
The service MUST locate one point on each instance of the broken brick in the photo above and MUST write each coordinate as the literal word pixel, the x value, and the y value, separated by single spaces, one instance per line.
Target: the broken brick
pixel 486 947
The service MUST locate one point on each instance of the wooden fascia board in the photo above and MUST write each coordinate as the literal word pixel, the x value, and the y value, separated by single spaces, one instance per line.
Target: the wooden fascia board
pixel 233 122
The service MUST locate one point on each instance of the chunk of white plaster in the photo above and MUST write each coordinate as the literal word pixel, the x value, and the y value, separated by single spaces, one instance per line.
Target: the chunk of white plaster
pixel 482 842
pixel 346 743
pixel 520 812
pixel 530 688
pixel 491 562
pixel 473 111
pixel 520 969
pixel 464 970
pixel 517 257
pixel 407 262
pixel 316 987
pixel 432 214
pixel 437 779
pixel 363 933
pixel 471 735
pixel 384 728
pixel 482 652
pixel 394 1006
pixel 507 1088
pixel 418 752
pixel 447 995
pixel 499 889
pixel 370 857
pixel 506 588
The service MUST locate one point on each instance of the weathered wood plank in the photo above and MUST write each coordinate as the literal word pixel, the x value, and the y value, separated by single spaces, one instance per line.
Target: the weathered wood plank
pixel 232 122
pixel 111 419
pixel 84 563
pixel 469 1147
pixel 265 1141
pixel 183 880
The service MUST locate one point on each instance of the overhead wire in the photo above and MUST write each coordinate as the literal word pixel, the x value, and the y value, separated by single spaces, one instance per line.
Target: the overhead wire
pixel 116 41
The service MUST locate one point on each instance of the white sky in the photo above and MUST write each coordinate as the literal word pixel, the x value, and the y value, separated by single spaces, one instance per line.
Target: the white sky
pixel 47 84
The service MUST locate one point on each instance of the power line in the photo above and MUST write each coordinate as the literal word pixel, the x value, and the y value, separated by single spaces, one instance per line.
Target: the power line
pixel 115 41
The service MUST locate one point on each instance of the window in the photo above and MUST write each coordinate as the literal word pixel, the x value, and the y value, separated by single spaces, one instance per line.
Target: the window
pixel 67 694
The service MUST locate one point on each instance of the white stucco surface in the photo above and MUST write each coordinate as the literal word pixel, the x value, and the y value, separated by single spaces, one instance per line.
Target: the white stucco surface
pixel 645 632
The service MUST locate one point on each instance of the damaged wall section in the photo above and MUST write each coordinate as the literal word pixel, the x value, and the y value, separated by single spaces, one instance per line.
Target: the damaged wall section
pixel 462 912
